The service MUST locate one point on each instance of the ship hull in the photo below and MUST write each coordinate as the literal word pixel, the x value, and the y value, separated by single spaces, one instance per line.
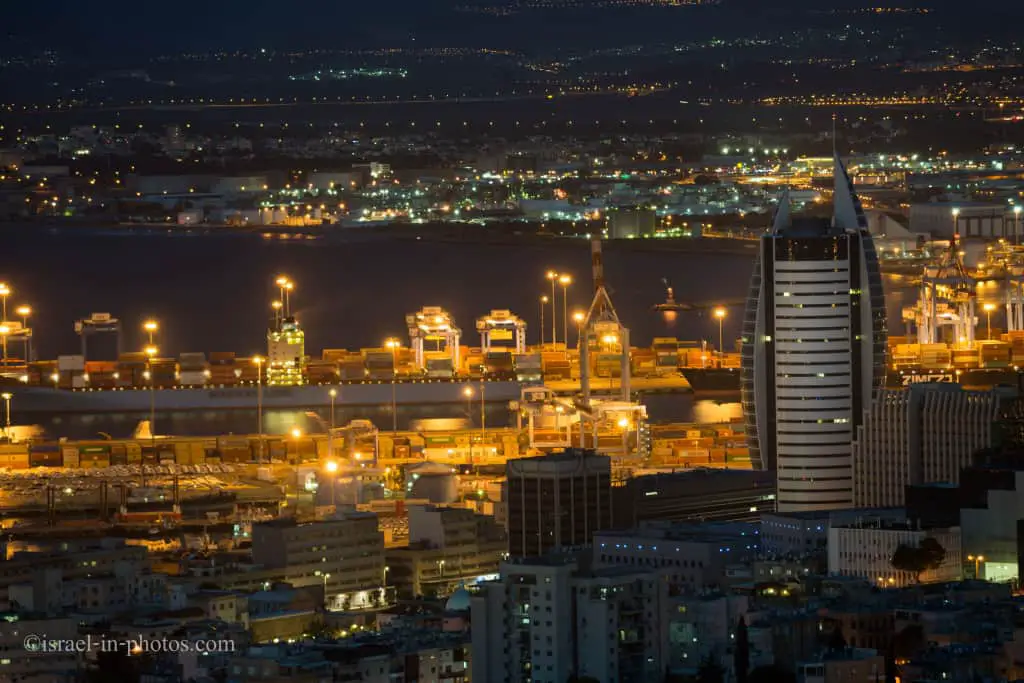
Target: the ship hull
pixel 35 399
pixel 713 380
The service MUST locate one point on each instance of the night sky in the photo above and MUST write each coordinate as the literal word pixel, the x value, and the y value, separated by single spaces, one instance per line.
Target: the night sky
pixel 113 26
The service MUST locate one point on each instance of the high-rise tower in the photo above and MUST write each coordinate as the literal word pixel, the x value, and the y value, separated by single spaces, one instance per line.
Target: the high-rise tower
pixel 814 342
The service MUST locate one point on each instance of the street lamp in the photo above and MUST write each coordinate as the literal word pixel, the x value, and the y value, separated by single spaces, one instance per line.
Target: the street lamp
pixel 5 292
pixel 1016 224
pixel 333 393
pixel 543 301
pixel 977 560
pixel 720 314
pixel 394 344
pixel 988 308
pixel 578 317
pixel 276 306
pixel 553 276
pixel 5 330
pixel 288 298
pixel 7 413
pixel 151 352
pixel 326 576
pixel 24 312
pixel 150 326
pixel 956 220
pixel 282 283
pixel 565 281
pixel 258 362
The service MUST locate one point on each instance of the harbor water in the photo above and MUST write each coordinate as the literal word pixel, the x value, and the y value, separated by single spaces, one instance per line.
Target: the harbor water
pixel 212 293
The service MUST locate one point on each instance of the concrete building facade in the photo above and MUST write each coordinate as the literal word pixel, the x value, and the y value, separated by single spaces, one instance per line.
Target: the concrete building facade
pixel 921 435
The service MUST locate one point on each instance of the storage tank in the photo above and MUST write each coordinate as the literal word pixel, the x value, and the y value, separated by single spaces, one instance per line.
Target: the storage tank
pixel 433 486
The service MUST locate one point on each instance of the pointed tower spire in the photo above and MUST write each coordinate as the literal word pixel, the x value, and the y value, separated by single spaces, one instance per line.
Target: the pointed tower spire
pixel 847 213
pixel 783 213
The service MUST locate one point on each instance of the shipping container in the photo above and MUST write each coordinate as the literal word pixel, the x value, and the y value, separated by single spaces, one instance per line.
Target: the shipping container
pixel 192 378
pixel 192 361
pixel 71 363
pixel 47 455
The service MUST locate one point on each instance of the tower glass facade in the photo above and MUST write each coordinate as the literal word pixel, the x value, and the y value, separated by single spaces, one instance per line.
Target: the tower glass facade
pixel 813 351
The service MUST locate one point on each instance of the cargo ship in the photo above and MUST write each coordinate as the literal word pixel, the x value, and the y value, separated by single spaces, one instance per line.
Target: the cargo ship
pixel 26 399
pixel 712 380
pixel 285 378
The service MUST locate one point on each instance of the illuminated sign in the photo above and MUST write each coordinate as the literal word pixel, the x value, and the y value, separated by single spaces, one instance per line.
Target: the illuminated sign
pixel 936 377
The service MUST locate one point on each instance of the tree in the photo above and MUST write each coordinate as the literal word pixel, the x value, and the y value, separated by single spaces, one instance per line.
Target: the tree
pixel 929 554
pixel 741 652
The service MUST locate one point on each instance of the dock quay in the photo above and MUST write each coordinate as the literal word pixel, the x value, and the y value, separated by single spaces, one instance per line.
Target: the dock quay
pixel 254 470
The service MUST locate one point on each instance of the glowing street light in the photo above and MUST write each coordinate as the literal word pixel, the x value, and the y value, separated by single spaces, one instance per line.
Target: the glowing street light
pixel 285 286
pixel 720 313
pixel 553 276
pixel 977 560
pixel 296 433
pixel 565 281
pixel 24 312
pixel 151 328
pixel 331 466
pixel 7 413
pixel 333 393
pixel 394 343
pixel 1016 224
pixel 258 362
pixel 543 302
pixel 151 352
pixel 5 292
pixel 579 317
pixel 988 308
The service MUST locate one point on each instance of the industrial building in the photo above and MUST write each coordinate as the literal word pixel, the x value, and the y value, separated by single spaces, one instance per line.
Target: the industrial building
pixel 813 355
pixel 920 435
pixel 557 501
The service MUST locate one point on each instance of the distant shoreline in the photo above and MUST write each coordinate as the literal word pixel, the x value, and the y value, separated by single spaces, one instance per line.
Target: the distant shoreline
pixel 454 233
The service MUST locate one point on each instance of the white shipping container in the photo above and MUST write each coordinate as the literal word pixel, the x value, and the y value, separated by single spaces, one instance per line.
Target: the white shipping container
pixel 78 382
pixel 70 363
pixel 192 378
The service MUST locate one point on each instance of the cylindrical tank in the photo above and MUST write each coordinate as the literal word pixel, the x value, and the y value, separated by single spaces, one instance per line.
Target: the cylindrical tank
pixel 437 488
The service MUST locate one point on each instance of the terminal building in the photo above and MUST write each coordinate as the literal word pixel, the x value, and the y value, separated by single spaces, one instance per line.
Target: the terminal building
pixel 813 353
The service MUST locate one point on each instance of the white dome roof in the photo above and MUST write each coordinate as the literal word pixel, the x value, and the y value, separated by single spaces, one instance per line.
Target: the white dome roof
pixel 458 601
